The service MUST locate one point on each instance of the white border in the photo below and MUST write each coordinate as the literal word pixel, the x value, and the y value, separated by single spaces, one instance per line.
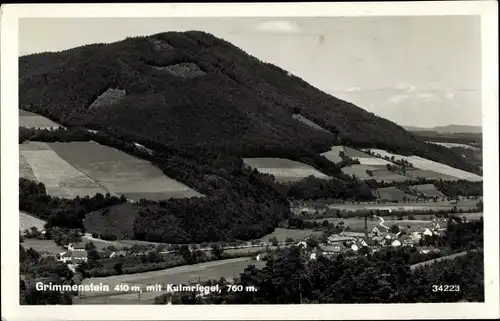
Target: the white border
pixel 9 148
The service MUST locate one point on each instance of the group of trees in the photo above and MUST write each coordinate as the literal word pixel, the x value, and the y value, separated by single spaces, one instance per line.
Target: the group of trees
pixel 57 211
pixel 459 188
pixel 312 188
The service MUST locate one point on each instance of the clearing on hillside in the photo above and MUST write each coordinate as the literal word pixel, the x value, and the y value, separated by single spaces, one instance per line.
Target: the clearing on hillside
pixel 59 177
pixel 393 194
pixel 308 122
pixel 284 170
pixel 429 190
pixel 183 70
pixel 27 221
pixel 425 164
pixel 31 120
pixel 109 97
pixel 121 173
pixel 379 173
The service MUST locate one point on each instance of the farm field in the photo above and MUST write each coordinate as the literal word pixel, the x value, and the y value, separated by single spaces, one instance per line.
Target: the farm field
pixel 282 234
pixel 416 173
pixel 182 274
pixel 43 246
pixel 88 168
pixel 429 190
pixel 60 178
pixel 382 174
pixel 428 165
pixel 284 170
pixel 31 120
pixel 410 206
pixel 451 145
pixel 393 194
pixel 308 122
pixel 359 171
pixel 27 221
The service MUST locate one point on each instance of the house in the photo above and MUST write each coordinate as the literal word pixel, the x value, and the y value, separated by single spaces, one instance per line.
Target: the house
pixel 117 254
pixel 427 232
pixel 74 257
pixel 354 247
pixel 76 247
pixel 396 243
pixel 313 256
pixel 375 231
pixel 302 244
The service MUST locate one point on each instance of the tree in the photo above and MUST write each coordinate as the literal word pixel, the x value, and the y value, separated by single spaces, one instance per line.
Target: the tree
pixel 274 241
pixel 394 228
pixel 312 243
pixel 90 246
pixel 186 254
pixel 93 256
pixel 289 240
pixel 118 268
pixel 217 251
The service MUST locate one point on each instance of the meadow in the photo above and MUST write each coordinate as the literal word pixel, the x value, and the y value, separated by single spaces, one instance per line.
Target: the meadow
pixel 428 165
pixel 31 120
pixel 27 221
pixel 451 145
pixel 392 194
pixel 61 179
pixel 43 246
pixel 284 169
pixel 429 190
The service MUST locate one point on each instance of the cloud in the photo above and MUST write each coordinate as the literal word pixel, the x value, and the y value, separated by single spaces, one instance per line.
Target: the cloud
pixel 279 26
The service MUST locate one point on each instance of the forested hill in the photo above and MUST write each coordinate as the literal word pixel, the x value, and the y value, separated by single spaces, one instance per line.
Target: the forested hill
pixel 192 89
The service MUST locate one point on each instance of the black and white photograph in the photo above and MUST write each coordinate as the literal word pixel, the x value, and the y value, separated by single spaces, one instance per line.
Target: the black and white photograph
pixel 277 156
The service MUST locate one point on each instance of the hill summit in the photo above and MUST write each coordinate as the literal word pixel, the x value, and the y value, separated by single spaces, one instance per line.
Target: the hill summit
pixel 193 90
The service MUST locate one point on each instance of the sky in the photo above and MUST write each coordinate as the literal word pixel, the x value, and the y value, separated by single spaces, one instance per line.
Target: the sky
pixel 416 71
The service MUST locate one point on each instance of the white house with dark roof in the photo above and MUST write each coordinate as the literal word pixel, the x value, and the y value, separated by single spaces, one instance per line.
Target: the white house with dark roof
pixel 74 257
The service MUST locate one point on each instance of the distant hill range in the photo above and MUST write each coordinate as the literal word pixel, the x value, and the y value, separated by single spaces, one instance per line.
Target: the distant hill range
pixel 450 129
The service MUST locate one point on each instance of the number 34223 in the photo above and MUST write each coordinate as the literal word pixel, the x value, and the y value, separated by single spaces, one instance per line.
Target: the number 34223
pixel 445 288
